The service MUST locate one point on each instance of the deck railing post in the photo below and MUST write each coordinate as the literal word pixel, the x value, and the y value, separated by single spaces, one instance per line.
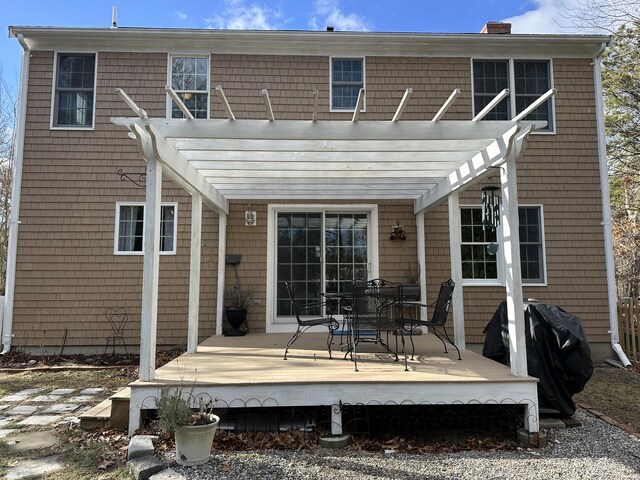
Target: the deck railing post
pixel 194 272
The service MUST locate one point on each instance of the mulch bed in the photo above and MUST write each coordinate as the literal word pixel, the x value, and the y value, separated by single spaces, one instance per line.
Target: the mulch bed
pixel 17 360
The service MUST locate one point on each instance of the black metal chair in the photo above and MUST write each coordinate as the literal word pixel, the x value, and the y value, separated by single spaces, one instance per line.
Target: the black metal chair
pixel 306 323
pixel 371 315
pixel 438 321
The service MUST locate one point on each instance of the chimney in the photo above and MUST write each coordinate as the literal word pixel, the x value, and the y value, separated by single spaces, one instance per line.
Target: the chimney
pixel 496 28
pixel 329 28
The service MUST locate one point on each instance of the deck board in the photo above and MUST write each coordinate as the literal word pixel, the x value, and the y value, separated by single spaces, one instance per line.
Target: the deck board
pixel 258 359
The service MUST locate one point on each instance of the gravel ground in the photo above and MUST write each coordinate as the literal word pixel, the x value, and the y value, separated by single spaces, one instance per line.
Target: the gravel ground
pixel 596 450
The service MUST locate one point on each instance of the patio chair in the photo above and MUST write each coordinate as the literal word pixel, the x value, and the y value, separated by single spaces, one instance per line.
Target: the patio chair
pixel 306 323
pixel 371 315
pixel 438 321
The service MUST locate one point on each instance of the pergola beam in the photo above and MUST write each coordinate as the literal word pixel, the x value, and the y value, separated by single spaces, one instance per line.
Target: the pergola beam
pixel 548 94
pixel 359 102
pixel 445 106
pixel 491 105
pixel 132 105
pixel 176 98
pixel 225 102
pixel 403 103
pixel 267 104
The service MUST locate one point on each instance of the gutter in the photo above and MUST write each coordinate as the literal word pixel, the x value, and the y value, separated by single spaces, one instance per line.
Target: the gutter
pixel 606 209
pixel 14 216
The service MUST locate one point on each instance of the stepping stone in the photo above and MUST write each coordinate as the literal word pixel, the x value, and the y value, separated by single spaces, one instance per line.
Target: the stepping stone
pixel 5 431
pixel 22 410
pixel 143 468
pixel 2 407
pixel 91 391
pixel 62 408
pixel 14 398
pixel 62 391
pixel 551 423
pixel 25 442
pixel 168 474
pixel 5 420
pixel 29 391
pixel 46 398
pixel 81 399
pixel 34 468
pixel 140 446
pixel 40 420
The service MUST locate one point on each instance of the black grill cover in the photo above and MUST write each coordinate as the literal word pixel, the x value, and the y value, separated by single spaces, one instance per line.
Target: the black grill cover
pixel 558 353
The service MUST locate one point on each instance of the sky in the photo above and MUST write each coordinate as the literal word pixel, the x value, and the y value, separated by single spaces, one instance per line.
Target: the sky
pixel 433 16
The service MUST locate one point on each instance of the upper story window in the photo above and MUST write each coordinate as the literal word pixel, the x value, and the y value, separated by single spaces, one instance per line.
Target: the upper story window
pixel 74 90
pixel 480 267
pixel 130 228
pixel 526 80
pixel 189 77
pixel 347 78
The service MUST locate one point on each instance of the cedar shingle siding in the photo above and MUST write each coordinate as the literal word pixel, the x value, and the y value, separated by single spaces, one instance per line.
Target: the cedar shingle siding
pixel 67 274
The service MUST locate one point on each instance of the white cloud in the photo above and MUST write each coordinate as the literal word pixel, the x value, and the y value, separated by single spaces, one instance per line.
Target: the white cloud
pixel 181 15
pixel 328 13
pixel 239 16
pixel 547 16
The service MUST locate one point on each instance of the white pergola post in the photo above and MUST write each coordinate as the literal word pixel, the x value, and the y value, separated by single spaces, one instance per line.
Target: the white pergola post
pixel 151 267
pixel 513 280
pixel 222 265
pixel 194 272
pixel 422 261
pixel 456 270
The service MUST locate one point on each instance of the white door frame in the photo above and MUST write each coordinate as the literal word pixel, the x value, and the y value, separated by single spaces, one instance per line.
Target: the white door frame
pixel 272 210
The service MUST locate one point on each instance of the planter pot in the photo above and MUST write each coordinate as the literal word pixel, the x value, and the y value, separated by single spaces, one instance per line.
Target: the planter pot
pixel 236 317
pixel 193 443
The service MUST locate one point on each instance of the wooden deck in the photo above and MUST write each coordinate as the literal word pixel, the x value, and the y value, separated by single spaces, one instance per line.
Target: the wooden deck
pixel 250 370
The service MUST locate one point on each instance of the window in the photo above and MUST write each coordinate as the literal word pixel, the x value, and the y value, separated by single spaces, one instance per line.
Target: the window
pixel 130 228
pixel 347 78
pixel 526 80
pixel 74 90
pixel 479 266
pixel 531 244
pixel 190 80
pixel 477 263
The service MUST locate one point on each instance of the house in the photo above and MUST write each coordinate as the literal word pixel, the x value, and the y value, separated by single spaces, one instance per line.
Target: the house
pixel 301 152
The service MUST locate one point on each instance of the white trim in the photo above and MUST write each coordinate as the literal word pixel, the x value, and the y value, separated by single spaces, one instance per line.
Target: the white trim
pixel 364 83
pixel 479 282
pixel 6 327
pixel 54 96
pixel 280 325
pixel 142 204
pixel 170 57
pixel 526 284
pixel 512 85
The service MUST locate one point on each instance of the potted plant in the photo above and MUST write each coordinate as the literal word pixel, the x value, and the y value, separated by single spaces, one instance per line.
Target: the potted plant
pixel 236 303
pixel 192 429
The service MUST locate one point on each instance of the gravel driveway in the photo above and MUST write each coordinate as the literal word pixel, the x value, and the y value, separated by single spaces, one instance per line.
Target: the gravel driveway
pixel 596 450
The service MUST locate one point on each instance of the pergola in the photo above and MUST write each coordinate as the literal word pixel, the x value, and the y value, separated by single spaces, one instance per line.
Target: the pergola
pixel 217 160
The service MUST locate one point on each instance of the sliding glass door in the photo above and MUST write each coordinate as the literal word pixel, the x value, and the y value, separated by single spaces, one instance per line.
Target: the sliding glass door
pixel 319 251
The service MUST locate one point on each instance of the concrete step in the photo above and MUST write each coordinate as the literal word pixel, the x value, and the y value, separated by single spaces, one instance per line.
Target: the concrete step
pixel 113 411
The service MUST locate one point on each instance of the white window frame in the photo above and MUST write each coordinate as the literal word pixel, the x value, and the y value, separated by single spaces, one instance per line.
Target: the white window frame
pixel 170 58
pixel 512 86
pixel 52 125
pixel 500 267
pixel 116 238
pixel 364 83
pixel 500 281
pixel 540 208
pixel 288 324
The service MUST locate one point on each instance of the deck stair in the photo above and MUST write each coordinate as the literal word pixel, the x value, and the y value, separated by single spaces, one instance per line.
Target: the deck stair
pixel 113 411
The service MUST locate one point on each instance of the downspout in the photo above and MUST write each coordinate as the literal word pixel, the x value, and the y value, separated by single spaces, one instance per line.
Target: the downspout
pixel 606 209
pixel 14 216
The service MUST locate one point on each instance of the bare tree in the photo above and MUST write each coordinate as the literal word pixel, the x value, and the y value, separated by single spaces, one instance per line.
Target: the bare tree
pixel 603 15
pixel 8 106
